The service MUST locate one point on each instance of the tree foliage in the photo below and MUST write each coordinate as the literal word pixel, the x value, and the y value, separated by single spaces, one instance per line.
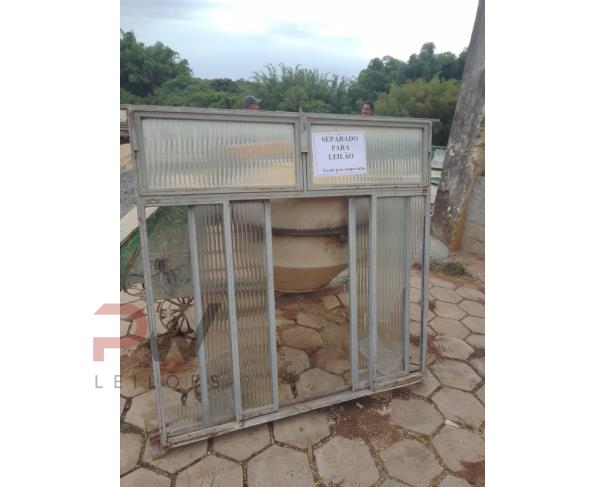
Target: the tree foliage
pixel 426 85
pixel 423 99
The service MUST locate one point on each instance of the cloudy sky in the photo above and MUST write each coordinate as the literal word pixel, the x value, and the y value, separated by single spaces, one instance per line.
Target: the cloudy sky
pixel 234 38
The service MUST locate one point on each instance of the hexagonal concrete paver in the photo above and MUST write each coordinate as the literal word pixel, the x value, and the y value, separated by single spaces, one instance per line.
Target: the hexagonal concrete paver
pixel 130 449
pixel 473 308
pixel 476 325
pixel 142 476
pixel 435 281
pixel 446 295
pixel 451 481
pixel 298 430
pixel 317 382
pixel 330 302
pixel 301 337
pixel 479 365
pixel 453 347
pixel 416 282
pixel 481 394
pixel 471 293
pixel 455 374
pixel 348 461
pixel 312 321
pixel 451 328
pixel 124 327
pixel 332 359
pixel 336 336
pixel 391 483
pixel 285 393
pixel 176 458
pixel 211 472
pixel 448 310
pixel 143 412
pixel 280 466
pixel 427 386
pixel 283 322
pixel 292 361
pixel 461 407
pixel 411 462
pixel 416 313
pixel 476 341
pixel 241 444
pixel 457 445
pixel 415 415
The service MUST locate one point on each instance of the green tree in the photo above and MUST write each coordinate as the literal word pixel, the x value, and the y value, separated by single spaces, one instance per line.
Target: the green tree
pixel 425 99
pixel 144 68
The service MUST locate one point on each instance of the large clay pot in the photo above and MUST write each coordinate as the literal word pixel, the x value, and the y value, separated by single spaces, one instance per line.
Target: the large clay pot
pixel 309 245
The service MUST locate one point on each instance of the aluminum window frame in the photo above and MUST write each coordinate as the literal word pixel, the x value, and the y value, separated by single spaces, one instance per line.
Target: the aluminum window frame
pixel 303 189
pixel 136 115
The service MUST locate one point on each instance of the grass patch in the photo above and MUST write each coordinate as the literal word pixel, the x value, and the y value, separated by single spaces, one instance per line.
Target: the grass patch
pixel 452 267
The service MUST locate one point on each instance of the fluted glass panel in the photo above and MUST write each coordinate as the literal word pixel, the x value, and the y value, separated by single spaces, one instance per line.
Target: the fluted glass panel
pixel 362 209
pixel 394 155
pixel 215 311
pixel 203 154
pixel 250 266
pixel 417 210
pixel 390 270
pixel 169 260
pixel 415 295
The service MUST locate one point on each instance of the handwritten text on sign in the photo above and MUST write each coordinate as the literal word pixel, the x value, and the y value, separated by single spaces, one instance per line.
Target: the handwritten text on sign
pixel 339 154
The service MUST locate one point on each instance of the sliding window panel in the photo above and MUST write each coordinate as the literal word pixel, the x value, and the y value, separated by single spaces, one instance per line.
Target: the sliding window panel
pixel 181 155
pixel 250 269
pixel 362 228
pixel 416 277
pixel 393 249
pixel 394 156
pixel 172 344
pixel 215 314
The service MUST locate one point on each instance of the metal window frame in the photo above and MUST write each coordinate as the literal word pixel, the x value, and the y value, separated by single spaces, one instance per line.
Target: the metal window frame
pixel 303 189
pixel 139 113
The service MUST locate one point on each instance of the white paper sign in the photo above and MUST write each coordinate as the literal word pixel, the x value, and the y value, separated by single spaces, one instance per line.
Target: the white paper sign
pixel 339 154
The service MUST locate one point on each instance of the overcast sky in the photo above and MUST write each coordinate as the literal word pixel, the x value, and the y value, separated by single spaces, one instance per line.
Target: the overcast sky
pixel 234 38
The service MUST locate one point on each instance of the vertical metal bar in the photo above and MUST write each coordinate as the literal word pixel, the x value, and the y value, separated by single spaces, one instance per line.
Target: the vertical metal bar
pixel 425 280
pixel 155 360
pixel 237 395
pixel 426 252
pixel 407 262
pixel 199 328
pixel 373 327
pixel 271 305
pixel 353 294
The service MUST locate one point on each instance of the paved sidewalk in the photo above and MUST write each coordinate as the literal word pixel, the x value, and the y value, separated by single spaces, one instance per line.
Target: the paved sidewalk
pixel 428 434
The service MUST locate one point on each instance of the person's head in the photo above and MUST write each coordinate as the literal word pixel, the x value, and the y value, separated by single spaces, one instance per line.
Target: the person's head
pixel 367 108
pixel 251 103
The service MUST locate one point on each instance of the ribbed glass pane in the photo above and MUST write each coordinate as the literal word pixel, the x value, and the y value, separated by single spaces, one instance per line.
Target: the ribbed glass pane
pixel 394 155
pixel 215 311
pixel 417 210
pixel 169 260
pixel 389 285
pixel 415 295
pixel 203 154
pixel 362 209
pixel 248 233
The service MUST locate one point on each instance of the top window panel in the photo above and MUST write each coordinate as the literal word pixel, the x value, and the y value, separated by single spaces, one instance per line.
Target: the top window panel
pixel 196 155
pixel 394 156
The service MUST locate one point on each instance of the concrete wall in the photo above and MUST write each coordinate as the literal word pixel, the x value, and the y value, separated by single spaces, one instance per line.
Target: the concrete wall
pixel 473 238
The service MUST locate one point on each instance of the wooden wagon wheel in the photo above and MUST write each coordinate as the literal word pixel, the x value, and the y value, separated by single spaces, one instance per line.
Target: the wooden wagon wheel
pixel 172 314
